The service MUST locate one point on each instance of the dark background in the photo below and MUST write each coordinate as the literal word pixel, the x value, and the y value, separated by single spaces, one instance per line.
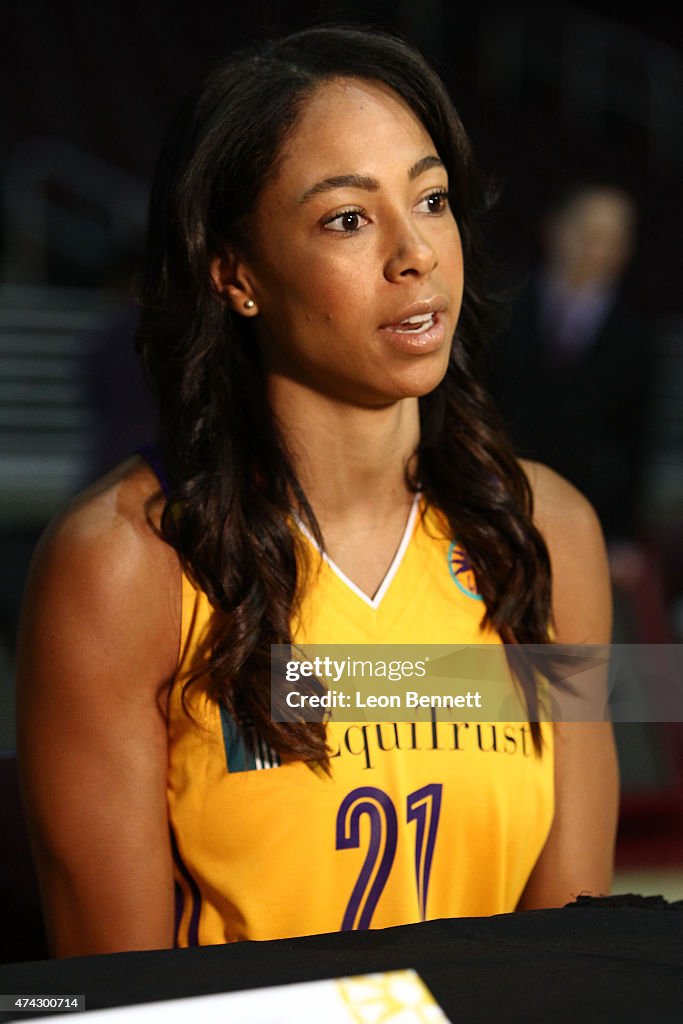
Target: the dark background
pixel 548 92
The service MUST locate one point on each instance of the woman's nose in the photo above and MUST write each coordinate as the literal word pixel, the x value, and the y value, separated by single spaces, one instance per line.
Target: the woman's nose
pixel 411 255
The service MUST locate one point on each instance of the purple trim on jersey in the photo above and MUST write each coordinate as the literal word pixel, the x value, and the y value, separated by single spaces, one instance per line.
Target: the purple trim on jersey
pixel 151 454
pixel 193 927
pixel 179 908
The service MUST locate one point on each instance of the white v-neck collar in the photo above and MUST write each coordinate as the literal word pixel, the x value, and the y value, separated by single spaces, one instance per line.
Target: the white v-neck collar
pixel 373 602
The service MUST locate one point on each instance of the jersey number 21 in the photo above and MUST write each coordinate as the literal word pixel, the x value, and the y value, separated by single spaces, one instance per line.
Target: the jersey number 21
pixel 423 807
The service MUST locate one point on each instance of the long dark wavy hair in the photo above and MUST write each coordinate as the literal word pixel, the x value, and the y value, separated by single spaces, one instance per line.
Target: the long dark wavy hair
pixel 228 517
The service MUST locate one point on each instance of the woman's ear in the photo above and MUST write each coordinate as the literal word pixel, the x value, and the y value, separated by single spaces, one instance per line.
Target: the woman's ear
pixel 231 281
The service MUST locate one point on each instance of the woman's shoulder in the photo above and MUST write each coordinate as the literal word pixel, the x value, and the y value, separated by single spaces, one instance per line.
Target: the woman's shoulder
pixel 572 532
pixel 102 558
pixel 557 503
pixel 114 522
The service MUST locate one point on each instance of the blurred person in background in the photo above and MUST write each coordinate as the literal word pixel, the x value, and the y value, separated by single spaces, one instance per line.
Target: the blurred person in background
pixel 572 371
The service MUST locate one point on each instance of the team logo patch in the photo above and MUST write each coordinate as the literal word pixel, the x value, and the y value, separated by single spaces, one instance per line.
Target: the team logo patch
pixel 461 571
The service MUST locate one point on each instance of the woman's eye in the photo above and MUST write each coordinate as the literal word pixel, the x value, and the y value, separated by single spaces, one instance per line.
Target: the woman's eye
pixel 435 202
pixel 348 221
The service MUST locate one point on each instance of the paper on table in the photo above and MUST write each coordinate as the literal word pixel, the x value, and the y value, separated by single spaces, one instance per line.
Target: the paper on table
pixel 396 997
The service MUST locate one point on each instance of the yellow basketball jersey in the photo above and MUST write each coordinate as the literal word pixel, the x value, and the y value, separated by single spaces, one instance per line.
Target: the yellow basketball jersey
pixel 417 820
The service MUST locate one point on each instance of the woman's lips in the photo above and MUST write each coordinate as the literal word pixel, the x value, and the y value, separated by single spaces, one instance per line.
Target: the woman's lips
pixel 414 324
pixel 423 333
pixel 417 312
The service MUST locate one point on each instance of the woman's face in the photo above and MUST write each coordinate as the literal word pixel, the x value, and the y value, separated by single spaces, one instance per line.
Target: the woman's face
pixel 354 262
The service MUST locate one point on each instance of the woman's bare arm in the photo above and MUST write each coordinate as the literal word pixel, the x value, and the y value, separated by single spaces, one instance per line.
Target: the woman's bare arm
pixel 578 855
pixel 98 646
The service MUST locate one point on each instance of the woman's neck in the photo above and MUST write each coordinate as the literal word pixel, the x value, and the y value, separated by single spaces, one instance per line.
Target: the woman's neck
pixel 350 461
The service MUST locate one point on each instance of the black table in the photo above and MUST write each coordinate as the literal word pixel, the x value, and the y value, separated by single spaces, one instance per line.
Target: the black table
pixel 581 964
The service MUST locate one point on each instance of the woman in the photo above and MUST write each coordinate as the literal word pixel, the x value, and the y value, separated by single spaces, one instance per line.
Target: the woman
pixel 312 213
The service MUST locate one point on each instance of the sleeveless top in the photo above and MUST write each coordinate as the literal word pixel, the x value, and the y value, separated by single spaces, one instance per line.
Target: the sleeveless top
pixel 417 820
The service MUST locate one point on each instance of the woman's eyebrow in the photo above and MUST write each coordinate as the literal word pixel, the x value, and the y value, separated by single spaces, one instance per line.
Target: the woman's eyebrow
pixel 341 181
pixel 364 181
pixel 425 164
